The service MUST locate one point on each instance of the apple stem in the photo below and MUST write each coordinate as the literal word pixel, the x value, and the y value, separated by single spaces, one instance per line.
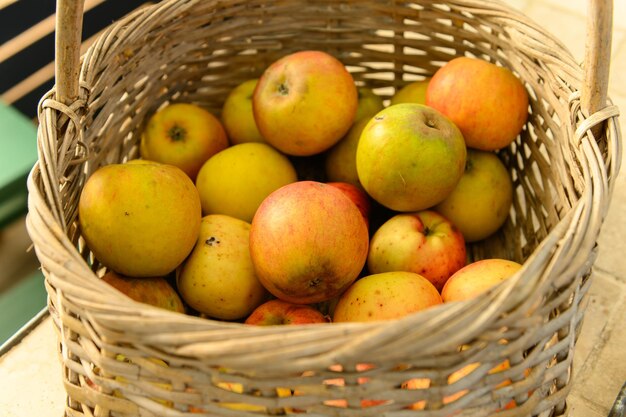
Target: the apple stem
pixel 283 89
pixel 176 133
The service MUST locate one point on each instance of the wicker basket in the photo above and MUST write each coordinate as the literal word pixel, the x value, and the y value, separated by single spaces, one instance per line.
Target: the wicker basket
pixel 121 358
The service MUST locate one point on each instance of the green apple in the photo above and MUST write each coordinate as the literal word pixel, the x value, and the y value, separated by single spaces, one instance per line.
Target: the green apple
pixel 410 157
pixel 237 115
pixel 480 203
pixel 414 92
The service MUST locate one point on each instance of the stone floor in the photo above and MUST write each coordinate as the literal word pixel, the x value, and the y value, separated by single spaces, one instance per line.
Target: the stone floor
pixel 30 374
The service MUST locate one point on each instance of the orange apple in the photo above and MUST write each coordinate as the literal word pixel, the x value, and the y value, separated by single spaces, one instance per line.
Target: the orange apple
pixel 237 115
pixel 424 242
pixel 477 277
pixel 308 242
pixel 358 197
pixel 480 203
pixel 275 312
pixel 155 291
pixel 410 157
pixel 486 101
pixel 385 296
pixel 305 102
pixel 184 135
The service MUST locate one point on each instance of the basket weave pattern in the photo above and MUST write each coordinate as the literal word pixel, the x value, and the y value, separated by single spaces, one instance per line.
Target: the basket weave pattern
pixel 197 51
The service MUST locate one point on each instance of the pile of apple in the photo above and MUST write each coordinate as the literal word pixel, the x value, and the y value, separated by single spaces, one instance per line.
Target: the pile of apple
pixel 308 200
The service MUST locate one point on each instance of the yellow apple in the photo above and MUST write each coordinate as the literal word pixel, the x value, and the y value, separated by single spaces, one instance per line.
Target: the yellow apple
pixel 121 213
pixel 236 180
pixel 305 102
pixel 477 277
pixel 385 296
pixel 480 203
pixel 155 291
pixel 184 135
pixel 237 115
pixel 218 277
pixel 487 102
pixel 424 242
pixel 410 157
pixel 414 92
pixel 308 242
pixel 369 104
pixel 340 161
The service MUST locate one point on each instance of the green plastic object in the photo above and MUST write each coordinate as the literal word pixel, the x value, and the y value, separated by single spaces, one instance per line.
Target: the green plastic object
pixel 20 303
pixel 18 154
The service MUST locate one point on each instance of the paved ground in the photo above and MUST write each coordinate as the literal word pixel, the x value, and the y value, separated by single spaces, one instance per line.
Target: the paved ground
pixel 600 362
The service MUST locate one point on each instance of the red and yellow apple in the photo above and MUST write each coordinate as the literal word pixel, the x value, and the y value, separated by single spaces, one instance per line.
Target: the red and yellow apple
pixel 480 203
pixel 410 157
pixel 278 312
pixel 218 278
pixel 486 101
pixel 424 242
pixel 237 115
pixel 305 102
pixel 477 277
pixel 121 211
pixel 184 135
pixel 358 197
pixel 236 180
pixel 308 242
pixel 385 296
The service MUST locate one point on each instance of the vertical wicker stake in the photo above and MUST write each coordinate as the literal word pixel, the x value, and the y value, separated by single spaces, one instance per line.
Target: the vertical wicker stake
pixel 69 23
pixel 597 57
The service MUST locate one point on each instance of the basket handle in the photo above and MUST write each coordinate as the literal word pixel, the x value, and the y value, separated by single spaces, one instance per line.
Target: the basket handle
pixel 69 23
pixel 597 55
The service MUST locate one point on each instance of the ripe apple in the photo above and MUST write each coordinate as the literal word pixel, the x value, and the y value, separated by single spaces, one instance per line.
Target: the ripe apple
pixel 358 197
pixel 410 157
pixel 487 102
pixel 340 162
pixel 236 180
pixel 477 277
pixel 480 203
pixel 121 211
pixel 237 115
pixel 155 291
pixel 414 92
pixel 305 102
pixel 277 311
pixel 424 242
pixel 183 135
pixel 368 105
pixel 218 277
pixel 308 242
pixel 385 296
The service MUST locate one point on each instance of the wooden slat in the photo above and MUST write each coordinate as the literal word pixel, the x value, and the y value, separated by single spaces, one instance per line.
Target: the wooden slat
pixel 34 33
